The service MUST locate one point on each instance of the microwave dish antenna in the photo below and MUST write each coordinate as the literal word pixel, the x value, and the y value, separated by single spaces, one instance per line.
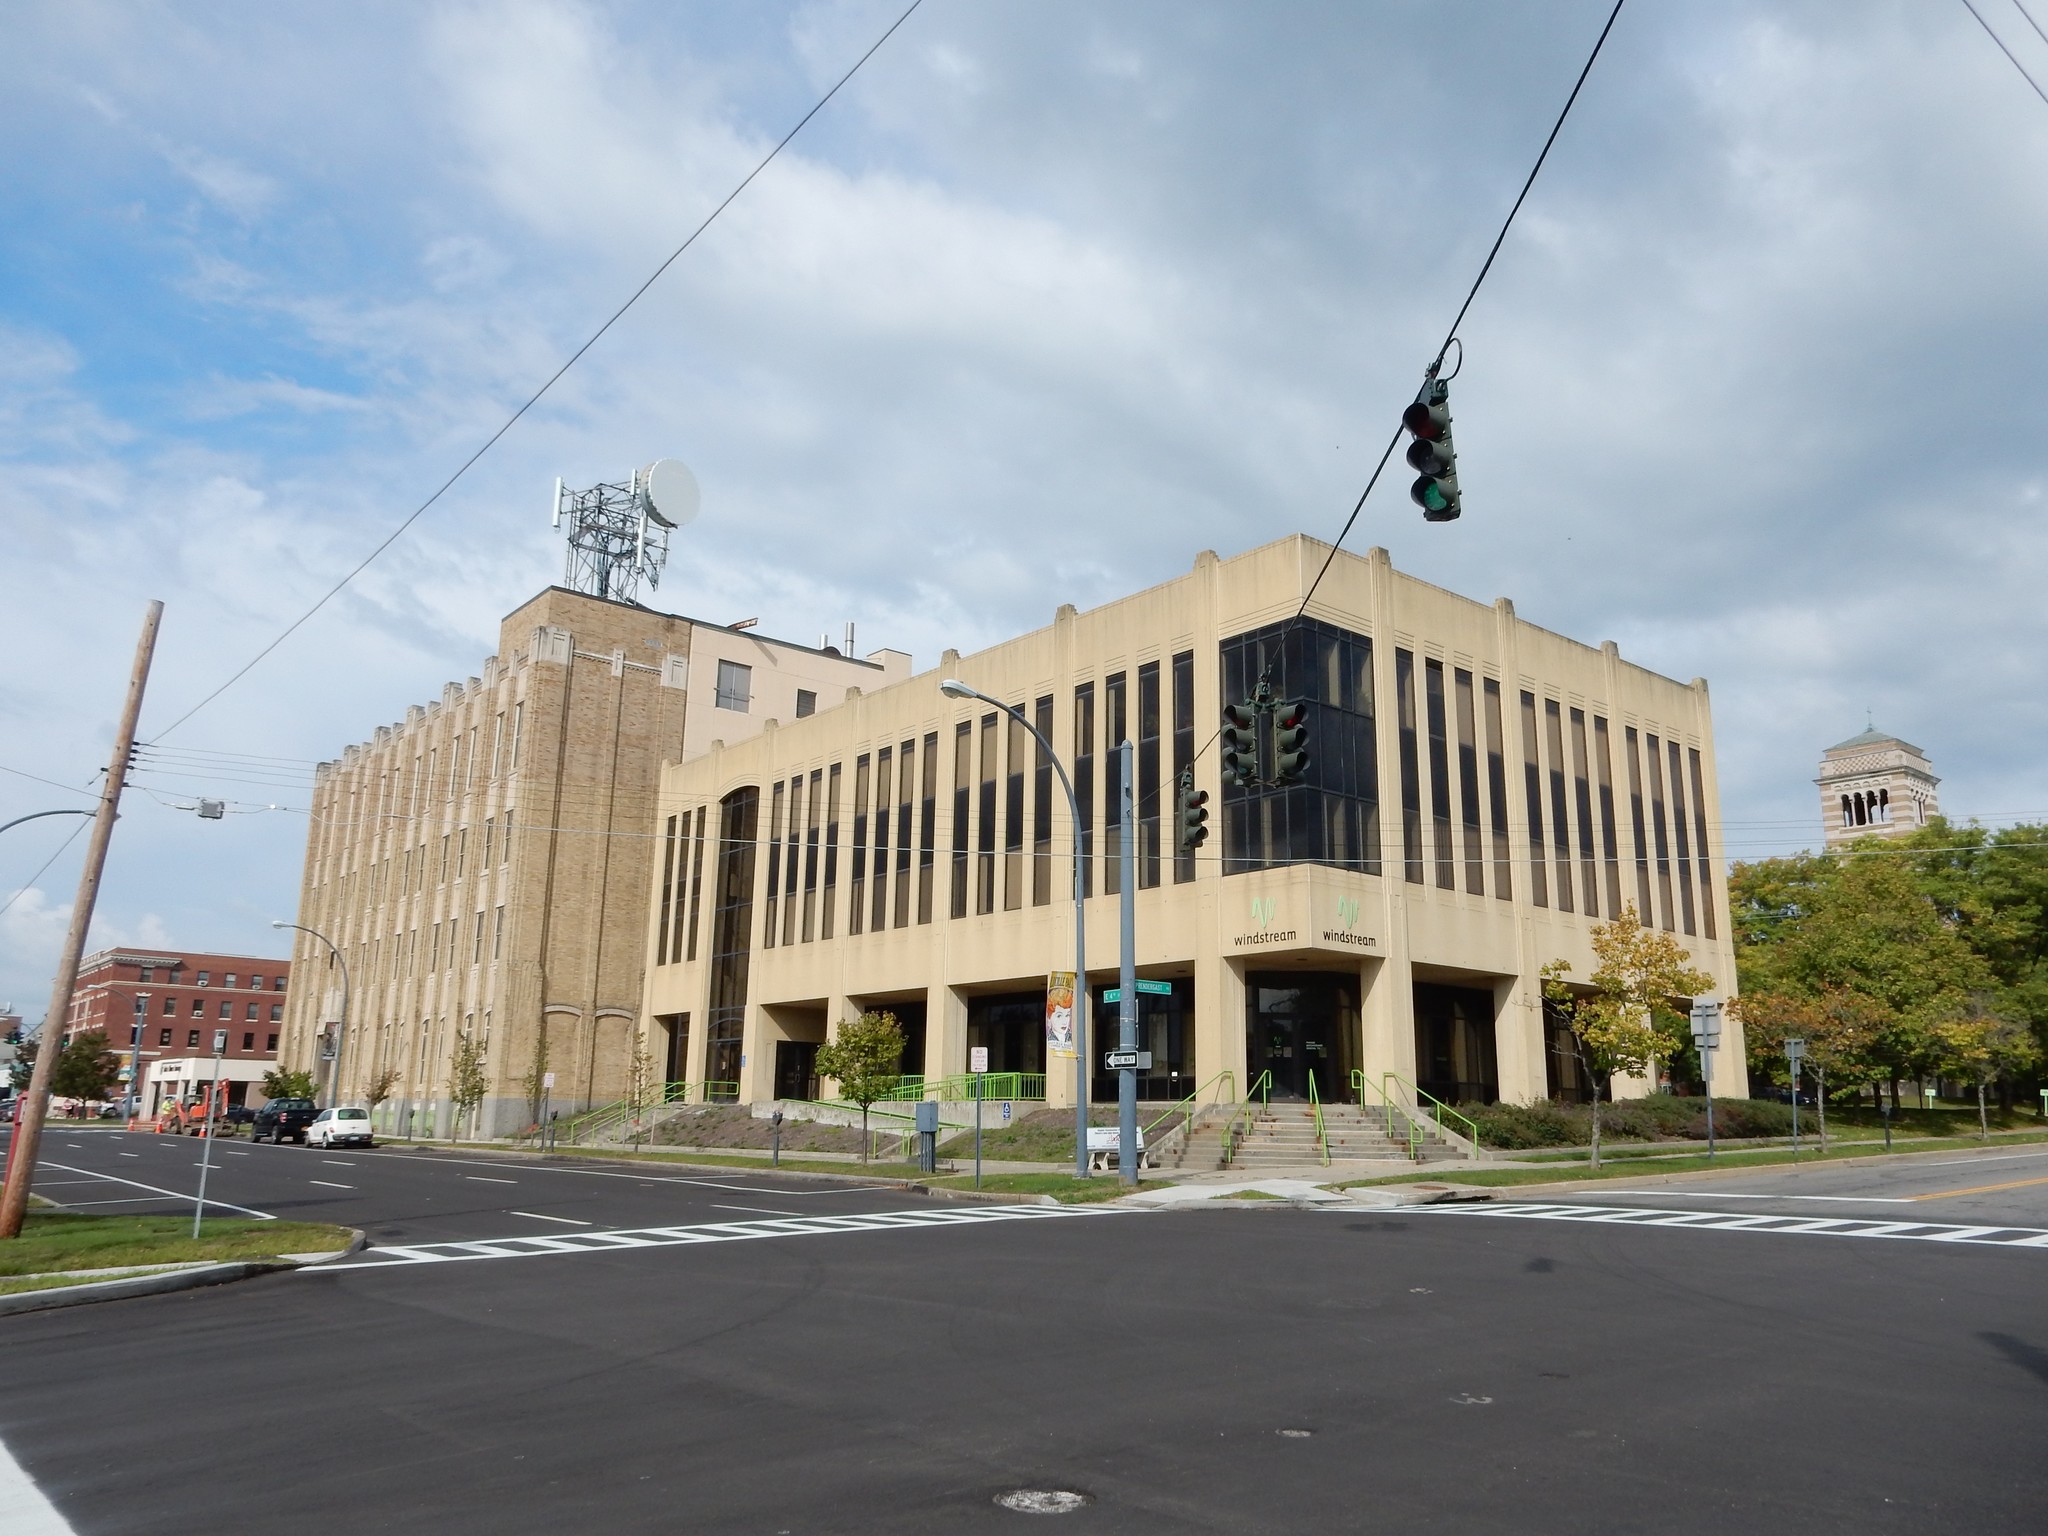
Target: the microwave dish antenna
pixel 670 493
pixel 618 533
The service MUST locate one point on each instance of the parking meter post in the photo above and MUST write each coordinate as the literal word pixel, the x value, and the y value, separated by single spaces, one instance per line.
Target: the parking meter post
pixel 1884 1109
pixel 1795 1056
pixel 775 1139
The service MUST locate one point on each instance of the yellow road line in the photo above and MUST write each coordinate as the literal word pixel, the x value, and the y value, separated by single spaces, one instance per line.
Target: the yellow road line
pixel 1981 1189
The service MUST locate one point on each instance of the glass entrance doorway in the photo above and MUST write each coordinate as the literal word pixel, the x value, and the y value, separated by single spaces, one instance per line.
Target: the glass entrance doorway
pixel 1454 1044
pixel 1300 1024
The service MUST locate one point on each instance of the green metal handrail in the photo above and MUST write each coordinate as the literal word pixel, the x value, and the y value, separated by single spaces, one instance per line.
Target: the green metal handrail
pixel 1360 1083
pixel 1186 1107
pixel 1437 1109
pixel 607 1116
pixel 1315 1103
pixel 1262 1085
pixel 960 1086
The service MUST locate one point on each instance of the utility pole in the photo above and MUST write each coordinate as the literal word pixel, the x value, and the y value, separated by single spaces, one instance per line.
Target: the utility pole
pixel 1127 974
pixel 28 1130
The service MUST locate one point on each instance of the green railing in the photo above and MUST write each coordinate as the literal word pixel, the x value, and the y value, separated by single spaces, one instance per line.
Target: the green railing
pixel 1186 1107
pixel 1362 1085
pixel 994 1085
pixel 594 1123
pixel 1434 1107
pixel 1315 1104
pixel 1233 1132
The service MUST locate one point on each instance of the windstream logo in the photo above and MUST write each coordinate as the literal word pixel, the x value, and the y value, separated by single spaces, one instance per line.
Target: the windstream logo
pixel 1347 934
pixel 1265 912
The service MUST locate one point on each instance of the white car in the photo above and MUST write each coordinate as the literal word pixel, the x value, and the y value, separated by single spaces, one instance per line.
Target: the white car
pixel 348 1126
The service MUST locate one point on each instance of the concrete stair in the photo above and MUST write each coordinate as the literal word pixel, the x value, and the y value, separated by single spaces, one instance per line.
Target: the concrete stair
pixel 1282 1134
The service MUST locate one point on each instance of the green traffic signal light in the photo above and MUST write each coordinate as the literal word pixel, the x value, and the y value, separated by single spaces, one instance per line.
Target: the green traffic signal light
pixel 1431 454
pixel 1290 743
pixel 1240 743
pixel 1194 813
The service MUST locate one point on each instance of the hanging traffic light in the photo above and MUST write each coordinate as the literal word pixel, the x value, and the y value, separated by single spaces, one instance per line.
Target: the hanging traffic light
pixel 1240 742
pixel 1194 813
pixel 1431 454
pixel 1290 742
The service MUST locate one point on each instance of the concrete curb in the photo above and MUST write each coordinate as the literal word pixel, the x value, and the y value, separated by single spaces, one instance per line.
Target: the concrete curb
pixel 979 1196
pixel 662 1164
pixel 169 1280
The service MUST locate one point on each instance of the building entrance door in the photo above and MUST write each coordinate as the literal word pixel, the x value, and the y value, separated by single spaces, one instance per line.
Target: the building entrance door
pixel 796 1069
pixel 1302 1024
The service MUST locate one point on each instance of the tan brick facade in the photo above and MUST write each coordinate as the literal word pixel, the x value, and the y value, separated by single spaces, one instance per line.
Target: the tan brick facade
pixel 484 864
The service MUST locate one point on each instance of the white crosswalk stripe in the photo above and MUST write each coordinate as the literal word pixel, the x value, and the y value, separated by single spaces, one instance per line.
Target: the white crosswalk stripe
pixel 1751 1221
pixel 525 1247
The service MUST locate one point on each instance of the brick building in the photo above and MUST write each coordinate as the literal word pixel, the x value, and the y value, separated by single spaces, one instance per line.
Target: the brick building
pixel 484 864
pixel 183 999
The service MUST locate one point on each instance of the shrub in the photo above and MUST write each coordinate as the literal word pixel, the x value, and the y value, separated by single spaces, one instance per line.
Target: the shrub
pixel 1660 1117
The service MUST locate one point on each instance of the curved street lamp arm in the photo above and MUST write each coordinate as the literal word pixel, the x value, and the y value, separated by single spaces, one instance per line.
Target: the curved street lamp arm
pixel 32 815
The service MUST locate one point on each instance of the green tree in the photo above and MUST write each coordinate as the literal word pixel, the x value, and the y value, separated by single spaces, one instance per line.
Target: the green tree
pixel 864 1058
pixel 281 1084
pixel 1858 924
pixel 85 1068
pixel 467 1083
pixel 1842 1031
pixel 1982 1047
pixel 1627 1019
pixel 383 1083
pixel 23 1067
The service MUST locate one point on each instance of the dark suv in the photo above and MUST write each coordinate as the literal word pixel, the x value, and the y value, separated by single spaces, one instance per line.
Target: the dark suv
pixel 283 1120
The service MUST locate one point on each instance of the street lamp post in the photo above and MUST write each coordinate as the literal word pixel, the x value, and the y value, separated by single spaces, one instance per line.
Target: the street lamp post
pixel 341 1024
pixel 953 688
pixel 34 815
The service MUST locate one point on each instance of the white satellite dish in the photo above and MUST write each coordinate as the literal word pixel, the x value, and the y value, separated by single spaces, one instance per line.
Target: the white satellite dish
pixel 671 492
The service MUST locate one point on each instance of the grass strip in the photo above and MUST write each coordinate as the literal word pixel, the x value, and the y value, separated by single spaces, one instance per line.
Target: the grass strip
pixel 59 1240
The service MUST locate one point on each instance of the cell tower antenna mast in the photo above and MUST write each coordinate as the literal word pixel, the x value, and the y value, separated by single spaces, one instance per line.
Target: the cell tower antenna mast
pixel 618 533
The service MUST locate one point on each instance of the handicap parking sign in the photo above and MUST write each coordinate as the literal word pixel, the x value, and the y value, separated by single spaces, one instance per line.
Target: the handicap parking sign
pixel 1006 1109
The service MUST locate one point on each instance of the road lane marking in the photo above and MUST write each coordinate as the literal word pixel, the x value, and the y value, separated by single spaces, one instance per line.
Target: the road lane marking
pixel 1964 1162
pixel 325 1184
pixel 411 1254
pixel 567 1221
pixel 335 1162
pixel 1981 1189
pixel 231 1152
pixel 641 1178
pixel 131 1154
pixel 1815 1226
pixel 1702 1194
pixel 758 1210
pixel 477 1178
pixel 226 1205
pixel 29 1513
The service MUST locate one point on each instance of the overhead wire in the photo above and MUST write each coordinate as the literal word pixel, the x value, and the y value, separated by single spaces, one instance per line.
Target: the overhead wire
pixel 535 398
pixel 30 883
pixel 2016 64
pixel 70 789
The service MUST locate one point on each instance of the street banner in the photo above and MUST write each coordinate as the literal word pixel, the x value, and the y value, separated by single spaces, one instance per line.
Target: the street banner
pixel 1059 1014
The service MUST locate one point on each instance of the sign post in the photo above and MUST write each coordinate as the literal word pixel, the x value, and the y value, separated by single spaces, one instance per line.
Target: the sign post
pixel 1127 973
pixel 547 1093
pixel 1795 1056
pixel 977 1064
pixel 1706 1039
pixel 207 1123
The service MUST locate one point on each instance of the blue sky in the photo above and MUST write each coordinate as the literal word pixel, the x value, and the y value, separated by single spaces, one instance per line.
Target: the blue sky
pixel 1055 293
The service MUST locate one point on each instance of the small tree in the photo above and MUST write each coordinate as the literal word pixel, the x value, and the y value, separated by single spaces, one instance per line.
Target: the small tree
pixel 1983 1047
pixel 1627 1021
pixel 281 1084
pixel 863 1058
pixel 467 1083
pixel 85 1068
pixel 23 1067
pixel 640 1084
pixel 383 1083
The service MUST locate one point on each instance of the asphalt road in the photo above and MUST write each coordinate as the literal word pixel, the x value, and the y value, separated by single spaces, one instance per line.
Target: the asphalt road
pixel 1241 1370
pixel 400 1193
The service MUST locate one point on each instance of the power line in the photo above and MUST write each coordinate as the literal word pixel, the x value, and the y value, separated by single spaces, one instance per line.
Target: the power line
pixel 30 883
pixel 1485 267
pixel 2016 64
pixel 69 789
pixel 534 399
pixel 2030 20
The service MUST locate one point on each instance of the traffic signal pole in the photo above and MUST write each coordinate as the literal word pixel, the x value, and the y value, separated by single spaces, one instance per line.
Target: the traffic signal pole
pixel 35 1109
pixel 1127 972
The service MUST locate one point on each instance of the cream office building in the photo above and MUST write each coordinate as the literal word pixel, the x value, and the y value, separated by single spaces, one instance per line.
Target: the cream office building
pixel 1481 793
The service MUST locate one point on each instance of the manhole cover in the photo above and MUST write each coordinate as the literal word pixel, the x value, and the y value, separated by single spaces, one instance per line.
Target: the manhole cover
pixel 1042 1501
